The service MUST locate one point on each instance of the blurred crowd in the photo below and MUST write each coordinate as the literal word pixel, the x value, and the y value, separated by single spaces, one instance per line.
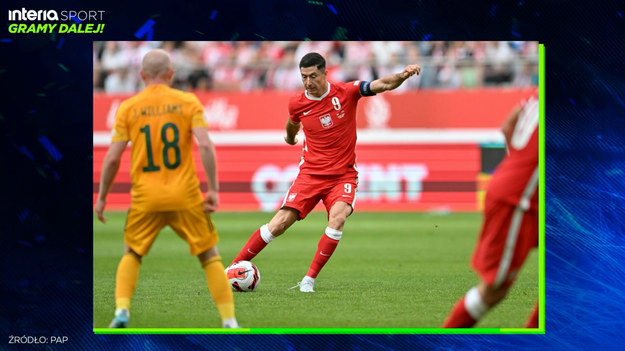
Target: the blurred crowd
pixel 265 65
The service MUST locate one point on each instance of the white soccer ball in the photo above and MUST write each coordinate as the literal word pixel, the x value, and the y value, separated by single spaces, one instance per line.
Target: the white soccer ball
pixel 243 276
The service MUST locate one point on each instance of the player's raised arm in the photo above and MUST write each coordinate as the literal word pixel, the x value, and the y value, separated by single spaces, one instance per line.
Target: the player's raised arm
pixel 292 128
pixel 393 81
pixel 207 155
pixel 110 166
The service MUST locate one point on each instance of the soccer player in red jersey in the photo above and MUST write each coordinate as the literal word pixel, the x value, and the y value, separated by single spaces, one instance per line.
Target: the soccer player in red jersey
pixel 510 226
pixel 327 171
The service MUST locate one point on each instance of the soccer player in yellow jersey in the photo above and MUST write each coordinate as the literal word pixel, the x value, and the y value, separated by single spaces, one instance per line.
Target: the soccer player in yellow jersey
pixel 161 123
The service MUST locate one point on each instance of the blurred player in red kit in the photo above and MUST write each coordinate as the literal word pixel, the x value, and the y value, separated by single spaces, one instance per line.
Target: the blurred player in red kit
pixel 510 225
pixel 327 170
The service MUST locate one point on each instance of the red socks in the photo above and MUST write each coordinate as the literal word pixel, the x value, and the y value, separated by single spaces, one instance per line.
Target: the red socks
pixel 325 248
pixel 253 246
pixel 261 237
pixel 470 308
pixel 459 317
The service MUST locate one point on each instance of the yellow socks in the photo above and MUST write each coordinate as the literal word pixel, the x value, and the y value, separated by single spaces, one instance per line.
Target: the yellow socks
pixel 127 276
pixel 219 287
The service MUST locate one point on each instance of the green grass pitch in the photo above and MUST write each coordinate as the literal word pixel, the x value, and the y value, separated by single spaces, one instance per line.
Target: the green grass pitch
pixel 390 270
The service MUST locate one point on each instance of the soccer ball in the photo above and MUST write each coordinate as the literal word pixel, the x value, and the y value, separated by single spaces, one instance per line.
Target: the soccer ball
pixel 243 276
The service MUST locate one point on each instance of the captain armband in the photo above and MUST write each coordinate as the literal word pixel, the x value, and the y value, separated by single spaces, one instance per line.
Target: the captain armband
pixel 365 89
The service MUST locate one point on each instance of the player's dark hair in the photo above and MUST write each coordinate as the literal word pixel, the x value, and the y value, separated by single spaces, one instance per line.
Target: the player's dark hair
pixel 313 59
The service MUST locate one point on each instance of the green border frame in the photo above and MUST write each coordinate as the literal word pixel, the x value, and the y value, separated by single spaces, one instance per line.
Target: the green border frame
pixel 541 187
pixel 541 270
pixel 282 331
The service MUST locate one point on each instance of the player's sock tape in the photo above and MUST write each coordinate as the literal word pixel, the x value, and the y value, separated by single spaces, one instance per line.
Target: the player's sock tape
pixel 266 234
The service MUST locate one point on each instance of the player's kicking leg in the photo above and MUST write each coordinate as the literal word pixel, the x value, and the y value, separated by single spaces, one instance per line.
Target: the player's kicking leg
pixel 280 222
pixel 327 244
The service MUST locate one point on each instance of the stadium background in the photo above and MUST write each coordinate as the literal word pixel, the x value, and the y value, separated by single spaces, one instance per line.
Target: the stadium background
pixel 430 145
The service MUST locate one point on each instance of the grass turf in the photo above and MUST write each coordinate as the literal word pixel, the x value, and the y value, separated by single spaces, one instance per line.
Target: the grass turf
pixel 391 270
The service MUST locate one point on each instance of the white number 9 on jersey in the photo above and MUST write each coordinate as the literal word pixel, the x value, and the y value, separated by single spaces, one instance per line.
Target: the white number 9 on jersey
pixel 348 188
pixel 336 103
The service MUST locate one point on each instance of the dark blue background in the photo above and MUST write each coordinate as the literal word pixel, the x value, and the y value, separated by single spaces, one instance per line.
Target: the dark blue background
pixel 46 189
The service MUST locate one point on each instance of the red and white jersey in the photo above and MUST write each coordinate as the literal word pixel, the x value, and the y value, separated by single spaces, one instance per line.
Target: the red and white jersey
pixel 329 123
pixel 516 178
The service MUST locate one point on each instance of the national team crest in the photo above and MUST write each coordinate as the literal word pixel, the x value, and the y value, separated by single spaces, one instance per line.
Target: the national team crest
pixel 326 121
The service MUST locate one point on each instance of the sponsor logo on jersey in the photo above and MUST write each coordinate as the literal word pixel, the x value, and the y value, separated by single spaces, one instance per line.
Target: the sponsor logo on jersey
pixel 291 197
pixel 306 112
pixel 340 114
pixel 326 121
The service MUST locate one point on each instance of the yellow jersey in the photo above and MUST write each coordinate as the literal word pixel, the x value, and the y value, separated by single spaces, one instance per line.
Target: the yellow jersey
pixel 158 122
